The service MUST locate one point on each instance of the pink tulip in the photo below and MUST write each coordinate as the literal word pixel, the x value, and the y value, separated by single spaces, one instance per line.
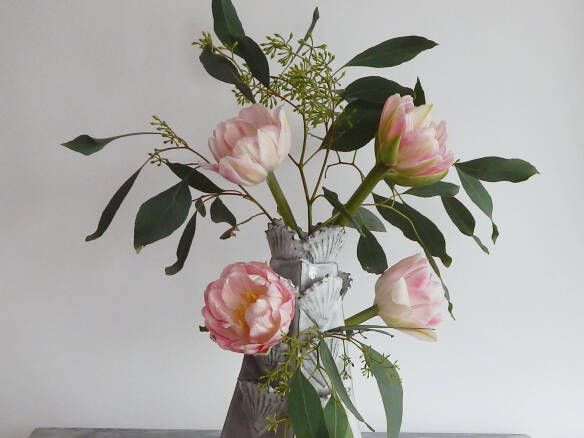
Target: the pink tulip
pixel 250 145
pixel 409 297
pixel 249 308
pixel 414 146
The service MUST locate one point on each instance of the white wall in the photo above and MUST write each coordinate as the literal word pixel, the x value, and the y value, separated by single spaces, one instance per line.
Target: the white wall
pixel 93 335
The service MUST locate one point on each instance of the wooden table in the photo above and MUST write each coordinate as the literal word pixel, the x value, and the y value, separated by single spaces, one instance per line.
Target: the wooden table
pixel 158 433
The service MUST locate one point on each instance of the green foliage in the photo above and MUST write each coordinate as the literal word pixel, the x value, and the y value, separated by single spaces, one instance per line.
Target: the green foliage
pixel 479 196
pixel 356 126
pixel 113 205
pixel 440 188
pixel 392 52
pixel 419 94
pixel 161 215
pixel 336 419
pixel 184 246
pixel 194 178
pixel 496 169
pixel 304 409
pixel 370 254
pixel 462 218
pixel 390 388
pixel 86 145
pixel 374 89
pixel 220 213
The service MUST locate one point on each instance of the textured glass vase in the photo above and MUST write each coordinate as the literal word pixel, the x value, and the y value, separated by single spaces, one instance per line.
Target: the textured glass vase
pixel 310 264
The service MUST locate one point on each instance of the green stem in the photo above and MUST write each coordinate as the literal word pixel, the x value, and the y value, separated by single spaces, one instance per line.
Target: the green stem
pixel 363 191
pixel 362 316
pixel 282 203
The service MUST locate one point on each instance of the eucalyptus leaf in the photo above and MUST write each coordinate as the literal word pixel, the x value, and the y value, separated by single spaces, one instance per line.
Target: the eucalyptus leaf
pixel 330 367
pixel 161 215
pixel 184 246
pixel 356 126
pixel 419 94
pixel 333 199
pixel 87 145
pixel 479 196
pixel 366 219
pixel 113 205
pixel 390 388
pixel 462 218
pixel 220 213
pixel 194 178
pixel 222 69
pixel 200 206
pixel 374 89
pixel 494 169
pixel 304 409
pixel 415 226
pixel 370 254
pixel 229 30
pixel 226 23
pixel 392 52
pixel 336 419
pixel 440 188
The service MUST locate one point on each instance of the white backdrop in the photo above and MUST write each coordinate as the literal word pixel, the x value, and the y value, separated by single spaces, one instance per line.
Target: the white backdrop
pixel 93 335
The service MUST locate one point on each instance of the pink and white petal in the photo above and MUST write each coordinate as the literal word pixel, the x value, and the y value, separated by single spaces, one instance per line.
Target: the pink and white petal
pixel 257 115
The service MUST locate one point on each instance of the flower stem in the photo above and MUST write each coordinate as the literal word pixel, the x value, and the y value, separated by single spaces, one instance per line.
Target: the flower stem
pixel 363 191
pixel 282 203
pixel 362 316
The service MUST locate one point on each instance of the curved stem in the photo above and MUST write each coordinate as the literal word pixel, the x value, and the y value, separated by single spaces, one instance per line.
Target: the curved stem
pixel 282 203
pixel 363 191
pixel 362 316
pixel 256 202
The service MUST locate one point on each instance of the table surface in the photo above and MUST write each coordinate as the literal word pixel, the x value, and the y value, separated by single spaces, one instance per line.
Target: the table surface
pixel 157 433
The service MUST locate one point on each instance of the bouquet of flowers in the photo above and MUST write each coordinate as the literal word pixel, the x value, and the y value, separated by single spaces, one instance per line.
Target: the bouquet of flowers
pixel 286 316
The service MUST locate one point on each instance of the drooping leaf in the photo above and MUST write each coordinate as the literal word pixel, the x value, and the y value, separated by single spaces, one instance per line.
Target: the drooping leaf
pixel 113 205
pixel 371 254
pixel 220 213
pixel 227 234
pixel 226 23
pixel 462 218
pixel 419 95
pixel 415 226
pixel 222 69
pixel 366 219
pixel 315 17
pixel 479 196
pixel 440 188
pixel 355 126
pixel 494 169
pixel 255 58
pixel 161 215
pixel 200 206
pixel 304 408
pixel 390 388
pixel 374 89
pixel 336 419
pixel 194 178
pixel 392 52
pixel 229 30
pixel 333 199
pixel 330 367
pixel 86 145
pixel 184 246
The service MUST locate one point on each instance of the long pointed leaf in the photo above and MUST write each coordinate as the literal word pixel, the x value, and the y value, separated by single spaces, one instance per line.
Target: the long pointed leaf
pixel 374 89
pixel 336 419
pixel 371 254
pixel 392 52
pixel 304 408
pixel 390 388
pixel 194 178
pixel 479 196
pixel 220 213
pixel 184 246
pixel 462 218
pixel 494 169
pixel 328 362
pixel 113 205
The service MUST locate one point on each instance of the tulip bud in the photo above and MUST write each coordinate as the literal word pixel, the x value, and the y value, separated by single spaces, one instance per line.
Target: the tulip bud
pixel 413 147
